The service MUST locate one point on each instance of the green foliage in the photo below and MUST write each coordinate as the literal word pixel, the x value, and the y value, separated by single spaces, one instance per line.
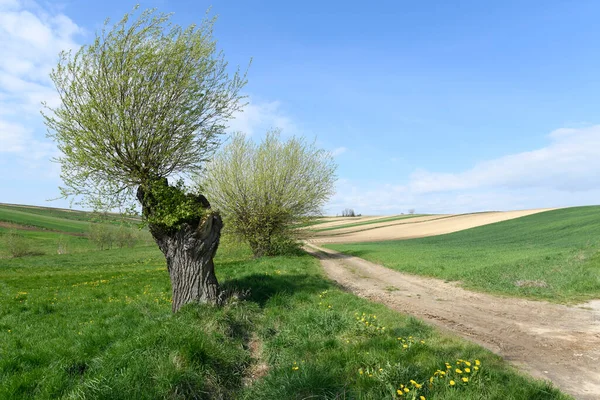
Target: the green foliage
pixel 264 190
pixel 16 244
pixel 169 206
pixel 99 325
pixel 102 235
pixel 146 100
pixel 125 237
pixel 62 245
pixel 554 255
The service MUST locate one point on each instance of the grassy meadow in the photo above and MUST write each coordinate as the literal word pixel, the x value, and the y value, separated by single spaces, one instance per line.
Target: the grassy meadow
pixel 97 324
pixel 553 255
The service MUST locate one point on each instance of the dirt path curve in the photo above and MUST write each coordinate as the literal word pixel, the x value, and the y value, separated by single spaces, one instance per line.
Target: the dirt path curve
pixel 549 341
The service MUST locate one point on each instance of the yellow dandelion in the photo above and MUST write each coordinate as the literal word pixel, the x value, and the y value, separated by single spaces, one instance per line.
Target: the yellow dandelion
pixel 422 398
pixel 458 371
pixel 477 362
pixel 406 390
pixel 476 368
pixel 295 368
pixel 405 346
pixel 467 370
pixel 452 383
pixel 465 379
pixel 431 380
pixel 399 392
pixel 468 363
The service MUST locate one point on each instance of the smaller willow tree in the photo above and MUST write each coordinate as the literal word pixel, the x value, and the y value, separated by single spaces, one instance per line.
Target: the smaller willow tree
pixel 147 101
pixel 264 189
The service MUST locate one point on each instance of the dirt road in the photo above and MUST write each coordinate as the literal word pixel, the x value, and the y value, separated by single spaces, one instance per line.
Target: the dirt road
pixel 417 227
pixel 547 340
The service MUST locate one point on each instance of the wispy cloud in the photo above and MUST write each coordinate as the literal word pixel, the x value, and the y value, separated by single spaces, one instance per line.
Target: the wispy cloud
pixel 30 40
pixel 338 151
pixel 571 162
pixel 563 173
pixel 31 37
pixel 258 117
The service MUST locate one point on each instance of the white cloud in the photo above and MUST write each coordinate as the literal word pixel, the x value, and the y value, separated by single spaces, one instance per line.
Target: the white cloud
pixel 13 137
pixel 30 40
pixel 571 162
pixel 258 117
pixel 338 151
pixel 563 173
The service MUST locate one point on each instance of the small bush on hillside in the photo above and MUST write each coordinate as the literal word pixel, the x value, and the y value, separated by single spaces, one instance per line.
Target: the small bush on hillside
pixel 62 245
pixel 16 244
pixel 102 235
pixel 125 237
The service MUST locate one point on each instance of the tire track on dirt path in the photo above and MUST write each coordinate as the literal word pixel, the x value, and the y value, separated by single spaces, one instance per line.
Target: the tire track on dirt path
pixel 549 341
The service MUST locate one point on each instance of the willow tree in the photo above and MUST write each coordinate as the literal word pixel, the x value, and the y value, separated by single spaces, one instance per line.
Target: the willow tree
pixel 143 104
pixel 265 189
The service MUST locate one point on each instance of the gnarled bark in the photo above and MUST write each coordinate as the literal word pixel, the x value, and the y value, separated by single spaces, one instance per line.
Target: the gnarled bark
pixel 189 249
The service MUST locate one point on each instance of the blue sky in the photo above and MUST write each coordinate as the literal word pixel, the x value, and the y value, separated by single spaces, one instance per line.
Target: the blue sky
pixel 434 105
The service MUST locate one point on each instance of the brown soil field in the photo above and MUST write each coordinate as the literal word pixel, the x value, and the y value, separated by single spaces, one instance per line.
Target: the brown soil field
pixel 416 227
pixel 329 222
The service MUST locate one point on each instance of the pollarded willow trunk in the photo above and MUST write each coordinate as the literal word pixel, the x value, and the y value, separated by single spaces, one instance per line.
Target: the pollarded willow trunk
pixel 189 249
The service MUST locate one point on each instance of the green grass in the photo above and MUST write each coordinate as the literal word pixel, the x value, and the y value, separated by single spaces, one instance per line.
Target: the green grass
pixel 44 242
pixel 98 325
pixel 552 255
pixel 75 215
pixel 375 221
pixel 33 218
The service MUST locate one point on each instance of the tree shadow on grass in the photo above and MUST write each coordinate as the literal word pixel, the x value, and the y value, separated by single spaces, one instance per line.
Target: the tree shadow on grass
pixel 260 288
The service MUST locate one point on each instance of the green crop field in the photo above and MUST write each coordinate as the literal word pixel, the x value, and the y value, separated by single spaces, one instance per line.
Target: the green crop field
pixel 98 324
pixel 27 217
pixel 552 255
pixel 55 219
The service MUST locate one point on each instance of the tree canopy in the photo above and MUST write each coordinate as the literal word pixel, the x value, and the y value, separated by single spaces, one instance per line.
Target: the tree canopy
pixel 145 101
pixel 264 189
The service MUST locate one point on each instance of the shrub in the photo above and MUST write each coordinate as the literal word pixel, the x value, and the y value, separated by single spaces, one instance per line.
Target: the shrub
pixel 264 190
pixel 16 244
pixel 102 235
pixel 125 236
pixel 62 245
